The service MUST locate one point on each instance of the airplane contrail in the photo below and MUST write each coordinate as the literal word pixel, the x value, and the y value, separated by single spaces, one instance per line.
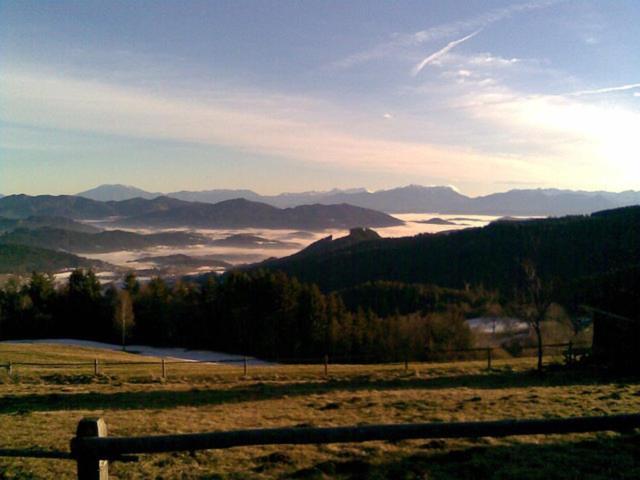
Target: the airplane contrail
pixel 443 51
pixel 620 88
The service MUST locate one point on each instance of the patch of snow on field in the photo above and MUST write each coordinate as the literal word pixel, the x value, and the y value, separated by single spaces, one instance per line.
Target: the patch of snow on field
pixel 498 325
pixel 147 351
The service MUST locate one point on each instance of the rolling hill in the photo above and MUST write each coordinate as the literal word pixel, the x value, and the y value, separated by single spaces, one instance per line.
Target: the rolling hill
pixel 180 260
pixel 165 212
pixel 26 259
pixel 102 242
pixel 240 213
pixel 63 223
pixel 24 206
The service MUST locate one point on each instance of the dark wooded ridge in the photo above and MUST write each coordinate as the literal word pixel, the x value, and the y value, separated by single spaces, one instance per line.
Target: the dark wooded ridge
pixel 563 249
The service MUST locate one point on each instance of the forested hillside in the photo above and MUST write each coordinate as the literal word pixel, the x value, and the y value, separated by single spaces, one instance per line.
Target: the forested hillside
pixel 260 313
pixel 104 241
pixel 26 259
pixel 561 248
pixel 380 299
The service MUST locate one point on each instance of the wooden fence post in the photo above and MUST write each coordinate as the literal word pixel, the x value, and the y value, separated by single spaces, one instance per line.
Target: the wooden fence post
pixel 245 366
pixel 570 353
pixel 326 365
pixel 164 368
pixel 95 366
pixel 489 358
pixel 91 468
pixel 9 368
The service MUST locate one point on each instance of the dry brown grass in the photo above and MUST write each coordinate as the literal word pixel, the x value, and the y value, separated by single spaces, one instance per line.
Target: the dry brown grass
pixel 40 408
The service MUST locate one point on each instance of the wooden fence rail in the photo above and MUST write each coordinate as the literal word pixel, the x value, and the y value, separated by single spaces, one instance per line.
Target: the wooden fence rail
pixel 93 449
pixel 570 352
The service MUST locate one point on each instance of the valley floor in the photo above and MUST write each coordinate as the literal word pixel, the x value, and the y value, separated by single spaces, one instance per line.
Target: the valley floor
pixel 40 408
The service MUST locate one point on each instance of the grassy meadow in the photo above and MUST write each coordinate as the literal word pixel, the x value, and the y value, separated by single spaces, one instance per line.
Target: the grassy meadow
pixel 40 408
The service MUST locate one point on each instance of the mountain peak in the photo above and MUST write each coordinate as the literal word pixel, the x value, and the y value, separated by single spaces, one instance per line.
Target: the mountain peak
pixel 361 234
pixel 116 192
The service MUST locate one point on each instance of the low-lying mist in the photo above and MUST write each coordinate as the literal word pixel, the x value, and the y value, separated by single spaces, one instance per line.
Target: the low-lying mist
pixel 261 244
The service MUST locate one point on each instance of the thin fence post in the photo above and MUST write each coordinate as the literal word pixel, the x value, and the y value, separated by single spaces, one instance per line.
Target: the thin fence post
pixel 164 368
pixel 95 366
pixel 9 368
pixel 406 363
pixel 89 467
pixel 489 358
pixel 245 366
pixel 570 353
pixel 326 365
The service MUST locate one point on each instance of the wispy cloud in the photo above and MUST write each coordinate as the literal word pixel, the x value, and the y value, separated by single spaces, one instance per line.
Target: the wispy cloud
pixel 442 31
pixel 597 91
pixel 271 129
pixel 482 128
pixel 443 51
pixel 592 143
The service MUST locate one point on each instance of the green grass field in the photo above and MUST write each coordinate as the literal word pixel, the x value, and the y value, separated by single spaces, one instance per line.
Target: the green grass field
pixel 40 408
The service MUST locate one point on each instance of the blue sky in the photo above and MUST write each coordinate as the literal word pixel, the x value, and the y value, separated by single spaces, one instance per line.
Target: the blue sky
pixel 292 96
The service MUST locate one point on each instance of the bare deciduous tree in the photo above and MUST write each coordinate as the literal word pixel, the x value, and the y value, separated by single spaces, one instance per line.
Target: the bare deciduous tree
pixel 532 301
pixel 123 315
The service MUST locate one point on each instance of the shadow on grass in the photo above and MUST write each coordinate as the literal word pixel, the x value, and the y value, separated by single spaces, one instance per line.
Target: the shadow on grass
pixel 598 459
pixel 159 399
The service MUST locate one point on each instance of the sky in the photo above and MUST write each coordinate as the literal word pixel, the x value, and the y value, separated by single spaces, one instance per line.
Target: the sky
pixel 281 96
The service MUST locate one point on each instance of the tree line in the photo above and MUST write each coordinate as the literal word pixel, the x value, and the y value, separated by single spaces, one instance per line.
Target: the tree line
pixel 262 313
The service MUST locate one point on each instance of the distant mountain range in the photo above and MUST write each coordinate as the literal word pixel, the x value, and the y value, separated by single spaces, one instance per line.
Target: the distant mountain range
pixel 80 208
pixel 563 249
pixel 409 199
pixel 165 212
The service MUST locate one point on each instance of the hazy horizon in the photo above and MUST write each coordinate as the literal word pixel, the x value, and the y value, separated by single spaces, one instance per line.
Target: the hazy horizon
pixel 345 189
